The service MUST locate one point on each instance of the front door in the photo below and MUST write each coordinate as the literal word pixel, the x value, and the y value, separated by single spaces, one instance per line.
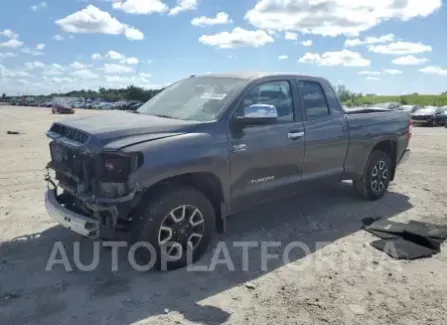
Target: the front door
pixel 265 159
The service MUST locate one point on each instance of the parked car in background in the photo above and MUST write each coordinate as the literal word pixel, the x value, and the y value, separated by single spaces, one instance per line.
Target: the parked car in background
pixel 391 105
pixel 134 106
pixel 441 116
pixel 425 116
pixel 62 109
pixel 409 108
pixel 105 105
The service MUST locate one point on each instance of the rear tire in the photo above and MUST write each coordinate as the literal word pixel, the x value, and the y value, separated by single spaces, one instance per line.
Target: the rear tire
pixel 174 218
pixel 376 177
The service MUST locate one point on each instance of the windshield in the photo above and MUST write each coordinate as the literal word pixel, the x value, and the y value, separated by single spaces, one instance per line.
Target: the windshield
pixel 196 98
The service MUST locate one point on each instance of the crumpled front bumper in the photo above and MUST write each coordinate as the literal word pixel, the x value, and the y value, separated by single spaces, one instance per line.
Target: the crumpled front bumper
pixel 76 222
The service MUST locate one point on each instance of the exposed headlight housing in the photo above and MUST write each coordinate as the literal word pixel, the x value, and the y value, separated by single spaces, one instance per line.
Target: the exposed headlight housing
pixel 115 167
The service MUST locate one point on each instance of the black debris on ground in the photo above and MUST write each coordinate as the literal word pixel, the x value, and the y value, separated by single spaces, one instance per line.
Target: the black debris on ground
pixel 409 241
pixel 12 132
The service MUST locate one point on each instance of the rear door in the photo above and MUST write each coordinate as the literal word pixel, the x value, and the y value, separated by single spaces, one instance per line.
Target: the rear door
pixel 326 131
pixel 265 159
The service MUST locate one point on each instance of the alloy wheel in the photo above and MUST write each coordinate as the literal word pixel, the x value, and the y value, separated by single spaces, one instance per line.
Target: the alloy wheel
pixel 182 229
pixel 379 176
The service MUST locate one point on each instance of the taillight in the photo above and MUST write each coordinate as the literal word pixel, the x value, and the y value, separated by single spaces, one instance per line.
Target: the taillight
pixel 410 129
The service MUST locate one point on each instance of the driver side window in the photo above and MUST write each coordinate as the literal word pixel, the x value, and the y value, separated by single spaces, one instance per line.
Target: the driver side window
pixel 276 93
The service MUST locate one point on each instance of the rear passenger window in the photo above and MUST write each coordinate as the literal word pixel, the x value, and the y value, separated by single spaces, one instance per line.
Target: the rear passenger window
pixel 314 100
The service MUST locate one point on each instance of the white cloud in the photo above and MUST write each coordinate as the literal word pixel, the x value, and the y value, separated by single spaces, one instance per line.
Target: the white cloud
pixel 58 38
pixel 40 47
pixel 96 56
pixel 409 60
pixel 41 5
pixel 183 5
pixel 145 75
pixel 290 36
pixel 372 78
pixel 114 55
pixel 132 60
pixel 57 80
pixel 116 68
pixel 434 70
pixel 27 50
pixel 9 34
pixel 400 48
pixel 57 66
pixel 239 37
pixel 370 40
pixel 12 44
pixel 140 7
pixel 221 18
pixel 370 73
pixel 393 71
pixel 52 71
pixel 93 20
pixel 7 55
pixel 85 74
pixel 307 43
pixel 34 65
pixel 335 17
pixel 79 66
pixel 119 79
pixel 283 57
pixel 344 58
pixel 17 73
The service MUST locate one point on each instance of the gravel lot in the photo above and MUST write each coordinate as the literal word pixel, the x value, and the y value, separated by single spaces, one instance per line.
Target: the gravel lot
pixel 341 280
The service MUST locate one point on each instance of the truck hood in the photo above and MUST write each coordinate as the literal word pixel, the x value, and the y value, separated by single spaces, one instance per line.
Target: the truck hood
pixel 113 130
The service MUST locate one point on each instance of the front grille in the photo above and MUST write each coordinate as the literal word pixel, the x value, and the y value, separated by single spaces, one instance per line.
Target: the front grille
pixel 70 133
pixel 67 160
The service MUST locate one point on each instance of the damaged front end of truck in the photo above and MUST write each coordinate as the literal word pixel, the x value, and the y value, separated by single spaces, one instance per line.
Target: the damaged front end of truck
pixel 88 189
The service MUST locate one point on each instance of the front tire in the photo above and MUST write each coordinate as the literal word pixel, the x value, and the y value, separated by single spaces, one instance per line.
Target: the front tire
pixel 173 222
pixel 376 177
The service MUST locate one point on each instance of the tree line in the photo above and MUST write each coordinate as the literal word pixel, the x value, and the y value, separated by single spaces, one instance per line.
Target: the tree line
pixel 350 98
pixel 131 93
pixel 347 97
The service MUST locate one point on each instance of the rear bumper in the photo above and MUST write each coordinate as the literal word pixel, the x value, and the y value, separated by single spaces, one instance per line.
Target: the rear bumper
pixel 405 156
pixel 76 222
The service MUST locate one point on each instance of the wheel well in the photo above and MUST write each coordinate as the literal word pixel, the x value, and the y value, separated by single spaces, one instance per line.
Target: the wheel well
pixel 207 183
pixel 389 147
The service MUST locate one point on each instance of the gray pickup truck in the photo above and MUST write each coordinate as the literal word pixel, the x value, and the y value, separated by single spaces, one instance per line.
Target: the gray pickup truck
pixel 208 146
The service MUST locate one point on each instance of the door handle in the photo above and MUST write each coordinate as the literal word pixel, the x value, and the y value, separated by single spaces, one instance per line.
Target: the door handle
pixel 295 135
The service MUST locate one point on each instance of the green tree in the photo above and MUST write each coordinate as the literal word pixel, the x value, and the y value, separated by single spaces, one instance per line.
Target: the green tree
pixel 4 97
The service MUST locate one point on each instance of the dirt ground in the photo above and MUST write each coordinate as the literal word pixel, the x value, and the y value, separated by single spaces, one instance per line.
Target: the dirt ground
pixel 340 280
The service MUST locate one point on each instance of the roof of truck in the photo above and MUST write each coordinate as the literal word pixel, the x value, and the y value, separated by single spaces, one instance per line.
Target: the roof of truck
pixel 249 75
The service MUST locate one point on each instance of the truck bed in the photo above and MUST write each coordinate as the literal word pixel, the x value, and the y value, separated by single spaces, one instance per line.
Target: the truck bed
pixel 368 126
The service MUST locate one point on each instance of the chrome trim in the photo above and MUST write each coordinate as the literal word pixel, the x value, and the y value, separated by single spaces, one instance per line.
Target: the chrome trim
pixel 76 222
pixel 295 135
pixel 260 111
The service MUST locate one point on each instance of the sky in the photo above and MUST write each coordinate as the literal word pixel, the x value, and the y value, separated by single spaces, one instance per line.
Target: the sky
pixel 388 47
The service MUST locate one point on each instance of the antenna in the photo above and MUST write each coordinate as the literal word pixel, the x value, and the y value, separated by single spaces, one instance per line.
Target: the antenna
pixel 136 74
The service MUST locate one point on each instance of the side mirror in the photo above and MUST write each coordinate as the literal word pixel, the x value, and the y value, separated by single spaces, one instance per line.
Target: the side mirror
pixel 258 114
